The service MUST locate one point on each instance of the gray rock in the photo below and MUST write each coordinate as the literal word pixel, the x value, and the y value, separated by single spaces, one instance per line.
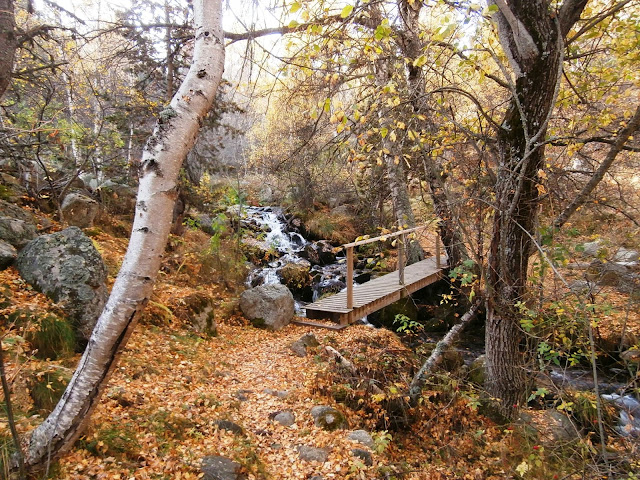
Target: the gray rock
pixel 300 346
pixel 328 418
pixel 363 437
pixel 276 393
pixel 316 477
pixel 229 426
pixel 319 253
pixel 610 274
pixel 552 426
pixel 7 254
pixel 67 268
pixel 582 286
pixel 592 248
pixel 313 454
pixel 16 232
pixel 221 468
pixel 268 306
pixel 286 418
pixel 363 455
pixel 14 211
pixel 200 312
pixel 478 370
pixel 79 210
pixel 626 256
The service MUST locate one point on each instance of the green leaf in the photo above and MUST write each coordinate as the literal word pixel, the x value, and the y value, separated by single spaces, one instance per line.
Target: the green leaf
pixel 293 24
pixel 420 61
pixel 295 7
pixel 346 11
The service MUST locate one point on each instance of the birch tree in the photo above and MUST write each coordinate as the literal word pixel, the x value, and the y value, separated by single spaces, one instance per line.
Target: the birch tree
pixel 164 153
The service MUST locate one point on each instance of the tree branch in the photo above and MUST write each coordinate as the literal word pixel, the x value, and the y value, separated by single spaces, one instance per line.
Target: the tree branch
pixel 616 148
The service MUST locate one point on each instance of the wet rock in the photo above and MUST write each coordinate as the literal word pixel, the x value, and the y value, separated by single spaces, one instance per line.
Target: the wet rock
pixel 16 232
pixel 328 418
pixel 229 426
pixel 296 275
pixel 79 210
pixel 363 455
pixel 363 437
pixel 221 468
pixel 313 454
pixel 67 268
pixel 300 346
pixel 7 254
pixel 319 253
pixel 268 306
pixel 286 418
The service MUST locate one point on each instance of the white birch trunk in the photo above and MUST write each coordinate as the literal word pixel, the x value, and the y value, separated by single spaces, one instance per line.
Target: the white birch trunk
pixel 164 153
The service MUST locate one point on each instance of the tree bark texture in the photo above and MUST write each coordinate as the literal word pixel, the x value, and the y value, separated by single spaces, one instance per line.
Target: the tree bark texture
pixel 163 155
pixel 532 36
pixel 8 43
pixel 412 47
pixel 419 380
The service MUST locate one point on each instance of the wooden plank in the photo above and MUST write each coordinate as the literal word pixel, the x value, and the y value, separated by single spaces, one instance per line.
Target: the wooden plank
pixel 309 323
pixel 376 294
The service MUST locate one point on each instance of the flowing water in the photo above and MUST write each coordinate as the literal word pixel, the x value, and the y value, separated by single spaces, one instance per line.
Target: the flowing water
pixel 291 247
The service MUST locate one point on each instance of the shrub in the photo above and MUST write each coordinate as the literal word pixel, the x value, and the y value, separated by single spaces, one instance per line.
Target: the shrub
pixel 47 387
pixel 54 338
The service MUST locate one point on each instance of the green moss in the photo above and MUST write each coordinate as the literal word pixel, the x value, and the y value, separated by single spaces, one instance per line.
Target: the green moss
pixel 47 387
pixel 54 338
pixel 112 441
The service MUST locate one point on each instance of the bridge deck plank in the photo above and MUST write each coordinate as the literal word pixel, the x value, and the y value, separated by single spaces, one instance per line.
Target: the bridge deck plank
pixel 375 294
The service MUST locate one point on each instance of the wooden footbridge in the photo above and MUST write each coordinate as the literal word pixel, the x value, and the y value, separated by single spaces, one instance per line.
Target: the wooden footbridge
pixel 357 301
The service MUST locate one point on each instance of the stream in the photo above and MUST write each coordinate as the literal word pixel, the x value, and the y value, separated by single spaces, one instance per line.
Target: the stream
pixel 277 233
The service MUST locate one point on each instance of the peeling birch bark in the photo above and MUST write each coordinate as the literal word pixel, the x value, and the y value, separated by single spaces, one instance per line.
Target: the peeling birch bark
pixel 417 384
pixel 164 153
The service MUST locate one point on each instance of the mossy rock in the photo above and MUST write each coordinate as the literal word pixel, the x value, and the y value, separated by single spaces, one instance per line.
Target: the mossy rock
pixel 328 418
pixel 47 387
pixel 200 313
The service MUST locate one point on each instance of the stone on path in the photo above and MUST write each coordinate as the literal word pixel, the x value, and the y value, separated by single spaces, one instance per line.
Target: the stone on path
pixel 328 418
pixel 221 468
pixel 313 454
pixel 268 306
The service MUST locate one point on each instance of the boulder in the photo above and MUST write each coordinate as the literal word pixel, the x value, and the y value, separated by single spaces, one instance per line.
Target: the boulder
pixel 229 426
pixel 200 313
pixel 328 418
pixel 268 306
pixel 10 188
pixel 626 256
pixel 16 232
pixel 478 370
pixel 313 454
pixel 7 254
pixel 551 425
pixel 221 468
pixel 363 437
pixel 319 253
pixel 363 455
pixel 67 268
pixel 296 275
pixel 79 210
pixel 118 197
pixel 611 274
pixel 286 418
pixel 14 211
pixel 592 249
pixel 299 347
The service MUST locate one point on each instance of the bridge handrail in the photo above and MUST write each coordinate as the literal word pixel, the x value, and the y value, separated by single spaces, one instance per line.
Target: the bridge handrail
pixel 402 234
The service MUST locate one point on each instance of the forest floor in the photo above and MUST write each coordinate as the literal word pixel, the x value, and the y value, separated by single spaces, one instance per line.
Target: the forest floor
pixel 174 391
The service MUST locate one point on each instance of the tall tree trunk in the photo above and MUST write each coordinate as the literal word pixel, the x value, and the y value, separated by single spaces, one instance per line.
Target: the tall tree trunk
pixel 412 47
pixel 394 164
pixel 8 43
pixel 163 155
pixel 533 38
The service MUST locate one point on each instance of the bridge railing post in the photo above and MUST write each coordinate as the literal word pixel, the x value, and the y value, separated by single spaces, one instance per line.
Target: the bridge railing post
pixel 349 277
pixel 438 261
pixel 401 246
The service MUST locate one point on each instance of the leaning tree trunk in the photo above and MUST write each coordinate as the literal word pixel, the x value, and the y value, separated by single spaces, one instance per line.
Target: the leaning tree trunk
pixel 533 38
pixel 163 155
pixel 8 43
